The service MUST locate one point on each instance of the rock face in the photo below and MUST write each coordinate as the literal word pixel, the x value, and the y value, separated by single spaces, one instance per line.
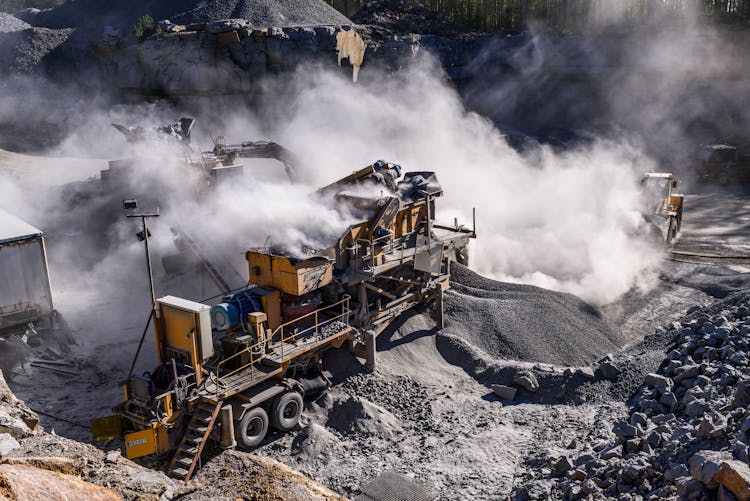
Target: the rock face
pixel 229 59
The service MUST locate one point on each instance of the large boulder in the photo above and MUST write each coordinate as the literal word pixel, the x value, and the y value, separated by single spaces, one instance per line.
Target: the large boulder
pixel 28 483
pixel 704 465
pixel 735 476
pixel 236 475
pixel 507 393
pixel 527 381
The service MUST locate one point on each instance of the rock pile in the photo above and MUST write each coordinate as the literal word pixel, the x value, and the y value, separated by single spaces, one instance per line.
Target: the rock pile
pixel 525 323
pixel 89 17
pixel 10 23
pixel 23 48
pixel 688 429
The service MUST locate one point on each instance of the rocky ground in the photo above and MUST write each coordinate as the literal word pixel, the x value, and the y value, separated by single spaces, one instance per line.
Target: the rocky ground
pixel 684 435
pixel 35 464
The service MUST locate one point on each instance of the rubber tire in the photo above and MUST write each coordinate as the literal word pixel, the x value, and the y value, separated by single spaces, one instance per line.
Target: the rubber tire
pixel 286 411
pixel 671 232
pixel 255 420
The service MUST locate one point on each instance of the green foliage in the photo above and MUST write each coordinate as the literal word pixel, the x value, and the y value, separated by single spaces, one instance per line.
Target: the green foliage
pixel 562 15
pixel 145 27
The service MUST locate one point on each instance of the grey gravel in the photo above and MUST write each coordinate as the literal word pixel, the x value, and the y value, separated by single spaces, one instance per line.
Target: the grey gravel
pixel 522 322
pixel 23 51
pixel 94 15
pixel 9 23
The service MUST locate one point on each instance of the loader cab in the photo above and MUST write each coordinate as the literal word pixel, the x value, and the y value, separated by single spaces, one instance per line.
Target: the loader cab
pixel 657 187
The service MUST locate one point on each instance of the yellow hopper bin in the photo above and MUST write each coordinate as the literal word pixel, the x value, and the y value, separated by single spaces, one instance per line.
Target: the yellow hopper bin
pixel 296 277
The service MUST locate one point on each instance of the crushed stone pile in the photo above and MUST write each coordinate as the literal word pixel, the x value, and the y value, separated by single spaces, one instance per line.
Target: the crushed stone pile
pixel 22 47
pixel 526 323
pixel 9 23
pixel 93 16
pixel 405 17
pixel 24 51
pixel 687 433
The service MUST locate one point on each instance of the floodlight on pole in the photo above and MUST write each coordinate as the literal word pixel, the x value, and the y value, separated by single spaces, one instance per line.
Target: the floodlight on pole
pixel 143 235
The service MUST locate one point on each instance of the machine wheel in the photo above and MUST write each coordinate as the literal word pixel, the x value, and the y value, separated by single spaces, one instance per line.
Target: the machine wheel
pixel 671 231
pixel 286 411
pixel 251 429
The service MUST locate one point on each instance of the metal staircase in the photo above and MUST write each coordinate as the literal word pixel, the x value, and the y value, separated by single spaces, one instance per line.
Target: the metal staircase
pixel 189 450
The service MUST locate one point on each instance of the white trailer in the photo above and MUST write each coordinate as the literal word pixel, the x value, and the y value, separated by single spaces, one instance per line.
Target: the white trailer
pixel 25 292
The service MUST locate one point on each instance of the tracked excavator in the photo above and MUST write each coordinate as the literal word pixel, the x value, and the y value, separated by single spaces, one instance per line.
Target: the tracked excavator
pixel 218 164
pixel 228 373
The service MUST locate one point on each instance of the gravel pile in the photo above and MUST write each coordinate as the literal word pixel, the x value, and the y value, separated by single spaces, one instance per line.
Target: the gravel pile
pixel 521 322
pixel 687 433
pixel 23 51
pixel 264 13
pixel 404 397
pixel 93 15
pixel 9 23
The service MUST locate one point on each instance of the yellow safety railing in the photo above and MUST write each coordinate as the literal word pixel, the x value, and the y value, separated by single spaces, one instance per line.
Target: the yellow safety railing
pixel 336 312
pixel 386 243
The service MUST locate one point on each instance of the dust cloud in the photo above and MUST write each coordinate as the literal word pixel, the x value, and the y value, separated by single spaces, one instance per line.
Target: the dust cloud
pixel 561 218
pixel 566 221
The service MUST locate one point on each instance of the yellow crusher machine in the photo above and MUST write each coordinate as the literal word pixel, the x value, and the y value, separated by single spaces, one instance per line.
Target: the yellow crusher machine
pixel 227 372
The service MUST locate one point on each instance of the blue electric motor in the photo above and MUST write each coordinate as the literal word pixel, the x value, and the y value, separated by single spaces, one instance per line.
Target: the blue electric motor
pixel 232 312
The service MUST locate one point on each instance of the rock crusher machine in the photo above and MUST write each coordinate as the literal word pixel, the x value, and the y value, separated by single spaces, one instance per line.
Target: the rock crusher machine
pixel 227 372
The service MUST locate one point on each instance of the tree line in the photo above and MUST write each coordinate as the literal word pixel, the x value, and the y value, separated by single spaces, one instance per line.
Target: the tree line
pixel 562 15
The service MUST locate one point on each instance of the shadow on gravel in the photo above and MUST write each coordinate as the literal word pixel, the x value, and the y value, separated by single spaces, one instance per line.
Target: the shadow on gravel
pixel 712 280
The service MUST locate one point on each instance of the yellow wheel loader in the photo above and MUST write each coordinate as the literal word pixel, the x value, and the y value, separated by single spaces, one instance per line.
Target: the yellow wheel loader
pixel 663 205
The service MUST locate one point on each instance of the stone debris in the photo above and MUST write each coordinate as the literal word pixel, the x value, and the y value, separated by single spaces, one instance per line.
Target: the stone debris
pixel 688 430
pixel 504 392
pixel 9 23
pixel 527 381
pixel 7 444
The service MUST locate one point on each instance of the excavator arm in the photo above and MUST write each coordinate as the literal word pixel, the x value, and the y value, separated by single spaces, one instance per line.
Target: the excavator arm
pixel 255 149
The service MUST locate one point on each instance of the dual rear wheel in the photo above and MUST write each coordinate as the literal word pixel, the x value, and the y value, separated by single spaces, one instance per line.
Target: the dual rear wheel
pixel 285 412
